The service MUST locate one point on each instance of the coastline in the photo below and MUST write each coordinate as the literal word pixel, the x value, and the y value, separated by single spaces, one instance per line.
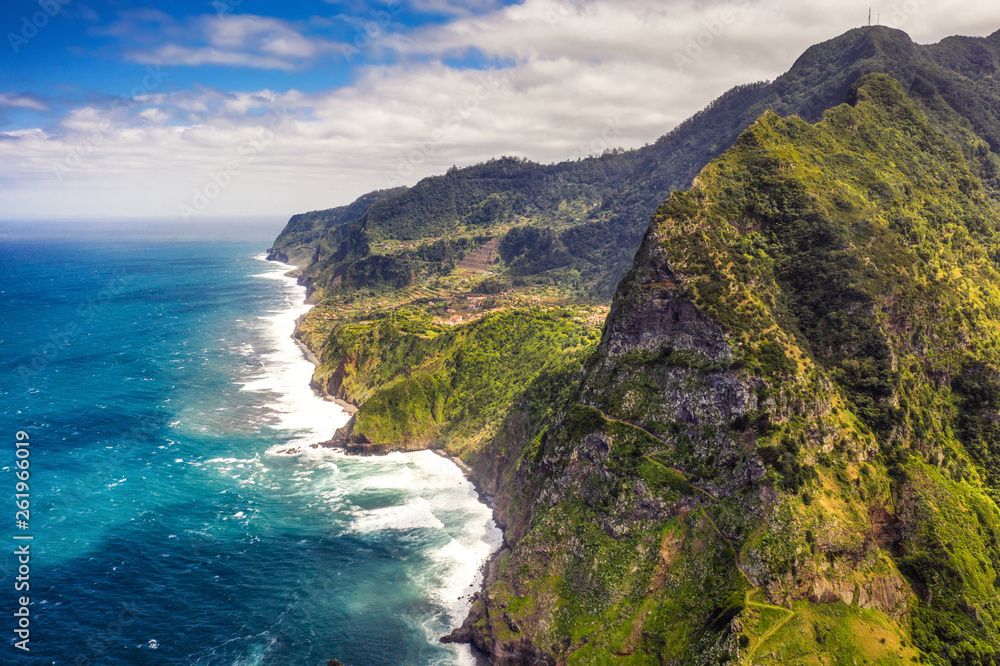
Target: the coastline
pixel 470 474
pixel 348 407
pixel 488 565
pixel 352 409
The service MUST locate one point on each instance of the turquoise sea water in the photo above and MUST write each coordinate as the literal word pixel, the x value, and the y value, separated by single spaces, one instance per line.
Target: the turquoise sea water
pixel 157 380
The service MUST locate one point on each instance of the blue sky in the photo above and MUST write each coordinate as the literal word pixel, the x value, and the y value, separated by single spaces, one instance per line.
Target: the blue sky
pixel 89 51
pixel 193 109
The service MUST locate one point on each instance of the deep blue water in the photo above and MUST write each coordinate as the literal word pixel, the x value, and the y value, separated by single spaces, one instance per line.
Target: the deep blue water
pixel 157 380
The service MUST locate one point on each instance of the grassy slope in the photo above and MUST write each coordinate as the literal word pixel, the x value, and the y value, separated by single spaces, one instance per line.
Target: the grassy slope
pixel 423 384
pixel 850 266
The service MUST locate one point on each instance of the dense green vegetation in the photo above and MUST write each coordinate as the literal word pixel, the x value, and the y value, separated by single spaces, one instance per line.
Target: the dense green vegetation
pixel 421 383
pixel 848 277
pixel 882 242
pixel 787 439
pixel 300 241
pixel 592 212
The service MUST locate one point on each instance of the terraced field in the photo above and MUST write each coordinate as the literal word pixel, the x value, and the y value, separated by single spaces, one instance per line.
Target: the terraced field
pixel 481 259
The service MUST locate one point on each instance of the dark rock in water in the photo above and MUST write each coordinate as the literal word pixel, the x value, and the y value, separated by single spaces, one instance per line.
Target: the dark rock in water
pixel 462 634
pixel 277 255
pixel 335 662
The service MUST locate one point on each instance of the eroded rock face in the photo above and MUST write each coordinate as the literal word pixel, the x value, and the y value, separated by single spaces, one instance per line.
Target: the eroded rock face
pixel 669 426
pixel 277 255
pixel 357 444
pixel 663 319
pixel 333 385
pixel 888 594
pixel 690 403
pixel 651 310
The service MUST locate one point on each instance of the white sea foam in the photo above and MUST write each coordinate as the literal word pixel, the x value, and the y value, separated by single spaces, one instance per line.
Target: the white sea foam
pixel 436 495
pixel 414 514
pixel 459 575
pixel 285 372
pixel 443 500
pixel 470 523
pixel 232 461
pixel 401 479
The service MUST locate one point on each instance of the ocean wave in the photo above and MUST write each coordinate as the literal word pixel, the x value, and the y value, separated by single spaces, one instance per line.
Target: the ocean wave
pixel 285 372
pixel 430 494
pixel 414 514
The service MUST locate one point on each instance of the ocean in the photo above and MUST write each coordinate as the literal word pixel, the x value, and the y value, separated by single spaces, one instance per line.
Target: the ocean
pixel 157 382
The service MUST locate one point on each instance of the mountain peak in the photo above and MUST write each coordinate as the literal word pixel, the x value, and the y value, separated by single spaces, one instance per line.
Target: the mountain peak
pixel 856 45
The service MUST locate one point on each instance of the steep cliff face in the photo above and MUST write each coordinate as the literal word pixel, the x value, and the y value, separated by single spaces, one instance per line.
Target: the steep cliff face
pixel 303 240
pixel 567 232
pixel 785 443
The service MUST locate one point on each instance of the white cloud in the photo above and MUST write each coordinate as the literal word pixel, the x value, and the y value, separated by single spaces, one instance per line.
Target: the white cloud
pixel 239 40
pixel 22 102
pixel 438 7
pixel 571 71
pixel 453 7
pixel 33 133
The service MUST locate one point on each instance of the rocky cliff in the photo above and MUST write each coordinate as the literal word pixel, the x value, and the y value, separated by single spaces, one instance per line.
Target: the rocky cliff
pixel 785 447
pixel 764 457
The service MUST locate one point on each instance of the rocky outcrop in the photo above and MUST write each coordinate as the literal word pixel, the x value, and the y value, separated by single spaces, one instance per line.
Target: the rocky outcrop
pixel 652 311
pixel 889 594
pixel 274 254
pixel 333 385
pixel 357 444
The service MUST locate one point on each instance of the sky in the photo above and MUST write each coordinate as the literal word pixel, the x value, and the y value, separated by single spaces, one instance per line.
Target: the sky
pixel 198 109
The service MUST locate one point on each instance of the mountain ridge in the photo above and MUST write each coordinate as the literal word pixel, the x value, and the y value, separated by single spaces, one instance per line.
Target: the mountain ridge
pixel 709 414
pixel 793 400
pixel 630 184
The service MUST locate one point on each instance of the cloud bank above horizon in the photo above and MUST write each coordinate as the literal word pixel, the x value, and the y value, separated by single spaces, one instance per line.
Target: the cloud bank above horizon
pixel 231 107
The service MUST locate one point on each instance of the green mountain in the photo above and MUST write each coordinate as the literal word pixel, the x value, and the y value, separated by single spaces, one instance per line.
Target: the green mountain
pixel 387 275
pixel 782 446
pixel 785 448
pixel 587 217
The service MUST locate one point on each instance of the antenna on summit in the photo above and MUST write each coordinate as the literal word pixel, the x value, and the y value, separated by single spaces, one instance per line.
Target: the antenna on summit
pixel 869 17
